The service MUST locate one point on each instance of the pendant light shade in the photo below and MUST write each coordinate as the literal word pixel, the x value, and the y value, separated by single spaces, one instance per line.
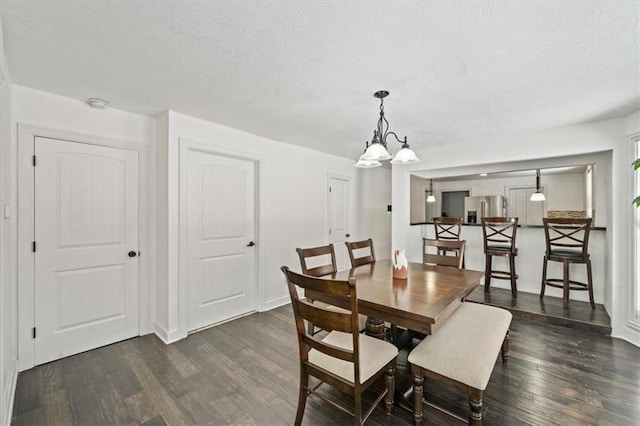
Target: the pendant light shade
pixel 405 155
pixel 538 195
pixel 431 198
pixel 376 152
pixel 367 164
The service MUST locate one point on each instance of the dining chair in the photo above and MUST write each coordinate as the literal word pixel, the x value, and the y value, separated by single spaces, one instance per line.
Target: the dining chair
pixel 461 353
pixel 499 236
pixel 442 246
pixel 447 229
pixel 345 359
pixel 318 256
pixel 567 241
pixel 356 248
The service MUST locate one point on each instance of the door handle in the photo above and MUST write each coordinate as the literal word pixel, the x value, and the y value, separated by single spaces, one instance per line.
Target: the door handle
pixel 132 253
pixel 251 244
pixel 348 235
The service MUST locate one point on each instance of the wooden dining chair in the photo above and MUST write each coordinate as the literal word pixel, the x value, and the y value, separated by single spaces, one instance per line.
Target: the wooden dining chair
pixel 313 261
pixel 567 242
pixel 441 247
pixel 345 359
pixel 356 248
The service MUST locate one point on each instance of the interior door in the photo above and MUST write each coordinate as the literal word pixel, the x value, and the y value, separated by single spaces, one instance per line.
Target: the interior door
pixel 86 247
pixel 221 279
pixel 338 212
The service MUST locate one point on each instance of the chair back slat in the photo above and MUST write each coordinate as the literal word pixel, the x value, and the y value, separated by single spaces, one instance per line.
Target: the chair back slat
pixel 499 231
pixel 567 233
pixel 447 228
pixel 316 254
pixel 355 248
pixel 443 246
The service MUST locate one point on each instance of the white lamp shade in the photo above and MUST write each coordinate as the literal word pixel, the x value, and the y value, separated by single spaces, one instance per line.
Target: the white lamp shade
pixel 376 151
pixel 537 196
pixel 367 164
pixel 431 198
pixel 406 156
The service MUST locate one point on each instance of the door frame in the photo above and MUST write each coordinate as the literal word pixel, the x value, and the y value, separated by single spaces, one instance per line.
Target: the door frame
pixel 351 206
pixel 26 233
pixel 185 145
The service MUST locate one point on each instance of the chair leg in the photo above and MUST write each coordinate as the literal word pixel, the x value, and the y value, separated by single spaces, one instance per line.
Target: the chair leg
pixel 565 285
pixel 302 395
pixel 357 409
pixel 487 273
pixel 590 284
pixel 389 380
pixel 544 277
pixel 512 271
pixel 475 407
pixel 506 346
pixel 418 381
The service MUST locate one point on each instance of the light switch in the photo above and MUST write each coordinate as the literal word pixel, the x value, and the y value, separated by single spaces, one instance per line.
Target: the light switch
pixel 7 212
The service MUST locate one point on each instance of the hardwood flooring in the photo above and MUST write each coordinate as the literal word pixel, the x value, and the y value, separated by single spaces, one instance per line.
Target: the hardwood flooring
pixel 245 372
pixel 578 315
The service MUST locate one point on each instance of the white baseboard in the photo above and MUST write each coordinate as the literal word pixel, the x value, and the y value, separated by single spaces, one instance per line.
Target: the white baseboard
pixel 167 337
pixel 9 393
pixel 276 303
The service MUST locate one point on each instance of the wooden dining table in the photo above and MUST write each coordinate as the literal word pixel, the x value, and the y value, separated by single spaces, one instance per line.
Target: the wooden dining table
pixel 420 303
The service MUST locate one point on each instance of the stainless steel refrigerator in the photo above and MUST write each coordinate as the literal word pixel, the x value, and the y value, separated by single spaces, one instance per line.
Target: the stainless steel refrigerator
pixel 475 208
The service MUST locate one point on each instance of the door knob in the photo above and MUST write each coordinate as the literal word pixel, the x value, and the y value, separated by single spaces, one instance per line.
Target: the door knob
pixel 132 253
pixel 251 244
pixel 348 235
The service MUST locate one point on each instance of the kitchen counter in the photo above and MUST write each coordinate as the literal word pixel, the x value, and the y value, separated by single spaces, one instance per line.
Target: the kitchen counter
pixel 593 228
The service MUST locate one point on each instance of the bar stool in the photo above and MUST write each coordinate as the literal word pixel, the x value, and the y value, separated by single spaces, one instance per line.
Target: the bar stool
pixel 567 242
pixel 448 229
pixel 499 234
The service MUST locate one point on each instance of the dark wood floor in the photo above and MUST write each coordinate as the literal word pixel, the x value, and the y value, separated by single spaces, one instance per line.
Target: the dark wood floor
pixel 578 315
pixel 245 372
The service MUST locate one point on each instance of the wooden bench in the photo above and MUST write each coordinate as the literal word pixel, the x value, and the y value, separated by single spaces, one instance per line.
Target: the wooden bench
pixel 462 353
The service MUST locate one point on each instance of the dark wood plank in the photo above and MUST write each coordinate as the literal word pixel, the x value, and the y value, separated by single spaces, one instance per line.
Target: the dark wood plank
pixel 246 372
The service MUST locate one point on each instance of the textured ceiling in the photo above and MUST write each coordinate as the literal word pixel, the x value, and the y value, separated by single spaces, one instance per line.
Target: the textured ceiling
pixel 305 72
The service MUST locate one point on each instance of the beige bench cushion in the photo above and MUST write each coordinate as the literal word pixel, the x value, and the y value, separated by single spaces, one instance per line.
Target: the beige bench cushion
pixel 374 354
pixel 465 347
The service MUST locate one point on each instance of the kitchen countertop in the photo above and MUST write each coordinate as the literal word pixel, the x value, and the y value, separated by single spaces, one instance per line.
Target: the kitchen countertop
pixel 593 228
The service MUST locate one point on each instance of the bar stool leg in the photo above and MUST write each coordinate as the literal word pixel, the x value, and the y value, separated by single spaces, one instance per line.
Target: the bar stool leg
pixel 544 277
pixel 487 273
pixel 512 271
pixel 565 285
pixel 590 284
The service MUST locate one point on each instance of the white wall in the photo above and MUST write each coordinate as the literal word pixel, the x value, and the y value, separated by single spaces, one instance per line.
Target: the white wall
pixel 372 219
pixel 567 141
pixel 292 207
pixel 8 287
pixel 52 114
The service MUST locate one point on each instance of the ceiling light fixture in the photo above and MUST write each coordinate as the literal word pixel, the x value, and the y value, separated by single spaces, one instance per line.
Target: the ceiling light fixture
pixel 538 195
pixel 376 150
pixel 97 103
pixel 431 198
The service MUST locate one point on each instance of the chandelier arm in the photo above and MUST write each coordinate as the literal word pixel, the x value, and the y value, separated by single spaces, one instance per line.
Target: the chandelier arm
pixel 397 138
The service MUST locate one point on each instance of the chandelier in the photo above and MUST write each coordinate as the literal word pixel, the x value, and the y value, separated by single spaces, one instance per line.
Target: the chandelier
pixel 376 150
pixel 538 195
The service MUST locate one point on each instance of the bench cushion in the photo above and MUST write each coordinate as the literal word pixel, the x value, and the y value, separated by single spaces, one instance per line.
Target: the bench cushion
pixel 465 347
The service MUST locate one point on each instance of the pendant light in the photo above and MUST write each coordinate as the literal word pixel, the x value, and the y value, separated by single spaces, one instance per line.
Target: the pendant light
pixel 431 198
pixel 376 150
pixel 538 195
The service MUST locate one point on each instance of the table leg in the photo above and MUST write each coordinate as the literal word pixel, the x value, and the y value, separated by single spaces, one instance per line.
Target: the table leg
pixel 375 328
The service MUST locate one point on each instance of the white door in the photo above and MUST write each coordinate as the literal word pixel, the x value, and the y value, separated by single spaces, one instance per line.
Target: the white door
pixel 338 212
pixel 86 225
pixel 220 214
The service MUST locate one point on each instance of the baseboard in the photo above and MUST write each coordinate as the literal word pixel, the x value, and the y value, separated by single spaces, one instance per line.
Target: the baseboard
pixel 9 393
pixel 167 337
pixel 276 303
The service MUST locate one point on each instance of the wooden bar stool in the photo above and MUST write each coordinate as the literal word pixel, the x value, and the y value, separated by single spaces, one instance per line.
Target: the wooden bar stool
pixel 567 242
pixel 499 234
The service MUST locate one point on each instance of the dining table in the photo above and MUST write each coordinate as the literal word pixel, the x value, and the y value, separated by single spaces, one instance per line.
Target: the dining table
pixel 419 303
